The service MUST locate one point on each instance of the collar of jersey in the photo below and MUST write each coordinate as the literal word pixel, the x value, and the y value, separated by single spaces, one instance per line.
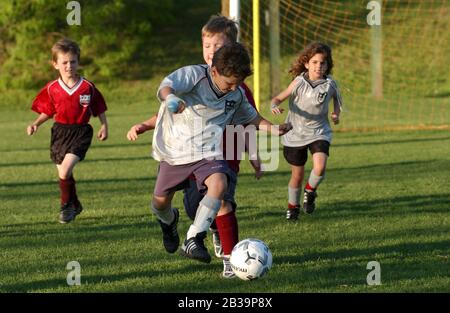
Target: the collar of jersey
pixel 213 86
pixel 70 91
pixel 315 83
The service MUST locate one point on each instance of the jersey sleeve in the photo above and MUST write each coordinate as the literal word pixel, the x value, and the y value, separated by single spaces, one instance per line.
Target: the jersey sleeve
pixel 183 80
pixel 98 105
pixel 43 103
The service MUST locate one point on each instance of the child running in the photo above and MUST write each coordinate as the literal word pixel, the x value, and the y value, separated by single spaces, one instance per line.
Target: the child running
pixel 71 100
pixel 218 31
pixel 309 96
pixel 188 142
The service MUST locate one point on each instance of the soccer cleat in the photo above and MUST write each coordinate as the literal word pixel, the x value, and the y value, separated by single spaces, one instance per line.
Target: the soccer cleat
pixel 308 201
pixel 292 214
pixel 78 208
pixel 66 213
pixel 171 240
pixel 218 250
pixel 227 269
pixel 194 248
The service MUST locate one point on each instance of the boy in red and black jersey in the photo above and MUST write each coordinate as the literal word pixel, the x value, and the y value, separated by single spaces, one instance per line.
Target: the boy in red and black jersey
pixel 70 100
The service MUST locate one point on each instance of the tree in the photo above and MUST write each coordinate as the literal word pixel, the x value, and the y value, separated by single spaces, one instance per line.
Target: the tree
pixel 110 35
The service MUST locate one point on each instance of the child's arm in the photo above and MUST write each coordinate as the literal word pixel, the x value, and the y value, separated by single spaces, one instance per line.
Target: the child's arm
pixel 103 132
pixel 256 164
pixel 337 102
pixel 141 128
pixel 42 118
pixel 277 130
pixel 280 98
pixel 168 94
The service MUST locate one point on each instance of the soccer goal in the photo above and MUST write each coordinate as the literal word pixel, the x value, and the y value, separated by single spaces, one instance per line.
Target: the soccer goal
pixel 391 56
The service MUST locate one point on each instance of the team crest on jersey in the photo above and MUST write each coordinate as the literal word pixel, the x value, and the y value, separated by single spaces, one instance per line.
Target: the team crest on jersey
pixel 229 105
pixel 85 100
pixel 321 96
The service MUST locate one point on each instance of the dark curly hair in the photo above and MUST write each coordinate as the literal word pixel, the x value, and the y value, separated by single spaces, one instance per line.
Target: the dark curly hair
pixel 312 49
pixel 232 60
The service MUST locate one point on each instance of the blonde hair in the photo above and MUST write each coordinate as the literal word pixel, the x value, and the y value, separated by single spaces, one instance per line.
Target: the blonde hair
pixel 219 24
pixel 65 45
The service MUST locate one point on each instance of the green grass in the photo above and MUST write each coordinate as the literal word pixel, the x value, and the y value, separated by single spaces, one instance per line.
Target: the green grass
pixel 385 198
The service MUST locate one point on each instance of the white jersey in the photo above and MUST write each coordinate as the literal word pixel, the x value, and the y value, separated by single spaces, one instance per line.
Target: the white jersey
pixel 196 133
pixel 308 111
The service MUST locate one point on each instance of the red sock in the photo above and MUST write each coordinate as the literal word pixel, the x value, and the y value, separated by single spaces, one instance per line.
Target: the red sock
pixel 228 231
pixel 308 187
pixel 73 191
pixel 65 185
pixel 292 206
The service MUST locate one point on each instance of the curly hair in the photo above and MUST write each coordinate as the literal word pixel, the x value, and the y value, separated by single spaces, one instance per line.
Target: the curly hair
pixel 312 49
pixel 232 60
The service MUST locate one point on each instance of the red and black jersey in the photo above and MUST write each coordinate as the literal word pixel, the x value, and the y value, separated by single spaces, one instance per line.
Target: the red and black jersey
pixel 70 105
pixel 234 163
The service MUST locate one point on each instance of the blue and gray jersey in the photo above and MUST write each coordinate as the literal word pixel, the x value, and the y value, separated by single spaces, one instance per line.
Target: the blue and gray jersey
pixel 196 133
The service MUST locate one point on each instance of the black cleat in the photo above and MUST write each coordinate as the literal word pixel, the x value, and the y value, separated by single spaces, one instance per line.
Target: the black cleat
pixel 194 248
pixel 292 214
pixel 66 213
pixel 171 239
pixel 78 208
pixel 308 201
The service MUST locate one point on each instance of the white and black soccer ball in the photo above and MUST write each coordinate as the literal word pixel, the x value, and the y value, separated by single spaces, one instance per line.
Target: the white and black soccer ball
pixel 250 259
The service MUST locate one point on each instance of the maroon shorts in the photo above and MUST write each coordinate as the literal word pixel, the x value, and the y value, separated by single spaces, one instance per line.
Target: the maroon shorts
pixel 175 177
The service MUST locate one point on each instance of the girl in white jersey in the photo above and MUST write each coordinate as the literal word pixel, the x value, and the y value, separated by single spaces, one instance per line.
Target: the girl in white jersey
pixel 309 96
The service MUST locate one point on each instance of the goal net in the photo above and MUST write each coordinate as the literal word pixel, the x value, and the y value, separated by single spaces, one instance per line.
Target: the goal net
pixel 413 76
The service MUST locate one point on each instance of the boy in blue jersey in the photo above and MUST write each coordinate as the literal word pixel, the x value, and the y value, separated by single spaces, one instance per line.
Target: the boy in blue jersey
pixel 189 141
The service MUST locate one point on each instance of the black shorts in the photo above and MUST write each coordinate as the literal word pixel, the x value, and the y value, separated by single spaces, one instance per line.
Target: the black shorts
pixel 298 156
pixel 75 139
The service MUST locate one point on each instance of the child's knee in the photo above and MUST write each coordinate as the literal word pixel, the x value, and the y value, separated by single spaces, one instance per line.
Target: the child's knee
pixel 217 184
pixel 161 202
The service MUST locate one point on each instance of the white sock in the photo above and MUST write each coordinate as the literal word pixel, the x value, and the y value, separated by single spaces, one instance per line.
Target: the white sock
pixel 206 213
pixel 166 215
pixel 293 196
pixel 315 180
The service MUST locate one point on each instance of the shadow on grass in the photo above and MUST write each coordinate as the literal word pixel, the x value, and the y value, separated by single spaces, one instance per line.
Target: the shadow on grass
pixel 93 146
pixel 122 159
pixel 118 276
pixel 103 182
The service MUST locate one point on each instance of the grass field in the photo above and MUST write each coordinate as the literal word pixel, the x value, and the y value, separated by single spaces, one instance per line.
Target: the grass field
pixel 386 198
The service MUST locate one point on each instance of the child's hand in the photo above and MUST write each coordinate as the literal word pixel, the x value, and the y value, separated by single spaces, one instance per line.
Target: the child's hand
pixel 276 109
pixel 258 173
pixel 134 132
pixel 335 118
pixel 284 128
pixel 102 134
pixel 175 104
pixel 31 129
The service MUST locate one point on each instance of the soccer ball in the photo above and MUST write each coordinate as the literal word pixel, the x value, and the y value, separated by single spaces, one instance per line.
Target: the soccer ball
pixel 250 259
